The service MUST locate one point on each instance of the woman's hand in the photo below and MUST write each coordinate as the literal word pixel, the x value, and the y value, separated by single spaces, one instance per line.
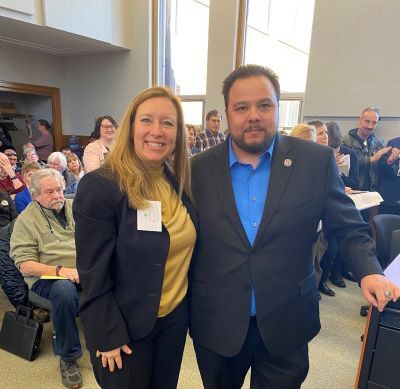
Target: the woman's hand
pixel 113 357
pixel 339 159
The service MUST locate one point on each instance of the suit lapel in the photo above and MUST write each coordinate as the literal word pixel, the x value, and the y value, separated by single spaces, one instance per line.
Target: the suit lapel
pixel 281 168
pixel 222 180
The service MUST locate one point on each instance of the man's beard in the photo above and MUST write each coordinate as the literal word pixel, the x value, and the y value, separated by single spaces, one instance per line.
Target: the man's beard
pixel 55 205
pixel 253 148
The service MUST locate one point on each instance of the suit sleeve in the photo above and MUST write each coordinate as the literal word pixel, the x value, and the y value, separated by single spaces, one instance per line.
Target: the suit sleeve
pixel 95 208
pixel 386 170
pixel 343 220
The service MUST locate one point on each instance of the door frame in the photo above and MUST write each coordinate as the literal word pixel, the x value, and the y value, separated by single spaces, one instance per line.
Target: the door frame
pixel 53 93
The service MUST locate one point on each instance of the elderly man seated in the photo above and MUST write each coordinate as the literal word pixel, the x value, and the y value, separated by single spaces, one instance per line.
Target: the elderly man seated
pixel 43 246
pixel 58 161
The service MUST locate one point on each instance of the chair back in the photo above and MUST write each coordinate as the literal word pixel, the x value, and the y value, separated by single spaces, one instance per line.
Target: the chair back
pixel 384 225
pixel 394 245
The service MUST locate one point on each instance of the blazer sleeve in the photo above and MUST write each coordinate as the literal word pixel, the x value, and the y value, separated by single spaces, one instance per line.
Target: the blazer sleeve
pixel 95 211
pixel 343 220
pixel 353 179
pixel 388 171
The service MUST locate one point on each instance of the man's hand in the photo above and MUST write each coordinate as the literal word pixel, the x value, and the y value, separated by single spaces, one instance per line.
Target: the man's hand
pixel 71 274
pixel 379 290
pixel 377 156
pixel 113 357
pixel 394 155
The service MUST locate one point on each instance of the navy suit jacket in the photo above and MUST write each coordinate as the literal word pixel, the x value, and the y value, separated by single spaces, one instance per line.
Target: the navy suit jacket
pixel 304 188
pixel 389 186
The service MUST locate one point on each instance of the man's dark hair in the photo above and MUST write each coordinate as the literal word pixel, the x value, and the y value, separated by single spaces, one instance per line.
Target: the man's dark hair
pixel 316 123
pixel 334 134
pixel 213 112
pixel 44 123
pixel 247 71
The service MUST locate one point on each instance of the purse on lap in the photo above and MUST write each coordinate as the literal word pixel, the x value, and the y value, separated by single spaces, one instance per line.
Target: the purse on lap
pixel 20 335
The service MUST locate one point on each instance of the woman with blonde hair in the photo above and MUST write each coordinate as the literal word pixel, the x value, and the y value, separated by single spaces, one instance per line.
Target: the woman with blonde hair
pixel 304 131
pixel 74 165
pixel 135 234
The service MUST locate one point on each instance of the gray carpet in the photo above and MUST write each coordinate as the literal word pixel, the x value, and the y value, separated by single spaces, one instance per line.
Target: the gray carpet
pixel 334 353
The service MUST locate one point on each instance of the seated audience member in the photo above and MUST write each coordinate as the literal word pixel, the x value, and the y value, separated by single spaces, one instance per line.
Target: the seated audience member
pixel 75 165
pixel 304 131
pixel 44 143
pixel 330 253
pixel 7 209
pixel 368 147
pixel 22 199
pixel 351 181
pixel 5 140
pixel 321 132
pixel 389 186
pixel 212 134
pixel 28 145
pixel 97 151
pixel 43 244
pixel 13 158
pixel 11 279
pixel 58 162
pixel 335 141
pixel 191 134
pixel 10 181
pixel 66 151
pixel 30 156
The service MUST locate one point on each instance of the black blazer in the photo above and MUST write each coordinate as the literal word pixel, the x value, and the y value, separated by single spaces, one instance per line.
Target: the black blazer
pixel 353 179
pixel 304 188
pixel 121 269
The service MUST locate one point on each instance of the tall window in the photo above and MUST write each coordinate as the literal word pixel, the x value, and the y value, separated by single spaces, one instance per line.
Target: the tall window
pixel 278 34
pixel 181 52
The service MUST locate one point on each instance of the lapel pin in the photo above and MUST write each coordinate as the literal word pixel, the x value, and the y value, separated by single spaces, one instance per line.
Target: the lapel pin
pixel 287 162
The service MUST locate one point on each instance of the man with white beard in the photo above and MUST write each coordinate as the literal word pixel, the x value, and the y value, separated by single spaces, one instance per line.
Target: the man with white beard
pixel 43 244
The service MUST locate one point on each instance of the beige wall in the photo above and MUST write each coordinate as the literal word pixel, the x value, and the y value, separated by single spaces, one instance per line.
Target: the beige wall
pixel 357 68
pixel 221 51
pixel 354 63
pixel 106 83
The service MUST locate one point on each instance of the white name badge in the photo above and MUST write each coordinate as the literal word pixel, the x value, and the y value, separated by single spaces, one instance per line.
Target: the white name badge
pixel 149 219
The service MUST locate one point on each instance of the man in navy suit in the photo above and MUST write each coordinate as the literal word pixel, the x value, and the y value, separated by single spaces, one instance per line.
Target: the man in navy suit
pixel 260 197
pixel 389 186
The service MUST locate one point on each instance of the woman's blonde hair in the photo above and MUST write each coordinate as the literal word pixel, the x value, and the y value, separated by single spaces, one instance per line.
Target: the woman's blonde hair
pixel 124 166
pixel 73 157
pixel 304 131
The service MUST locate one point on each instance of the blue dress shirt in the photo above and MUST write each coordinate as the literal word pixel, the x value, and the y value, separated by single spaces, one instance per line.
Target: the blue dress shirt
pixel 250 188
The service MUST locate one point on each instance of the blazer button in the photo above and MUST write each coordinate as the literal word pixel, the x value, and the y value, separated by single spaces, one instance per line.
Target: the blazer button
pixel 247 286
pixel 252 257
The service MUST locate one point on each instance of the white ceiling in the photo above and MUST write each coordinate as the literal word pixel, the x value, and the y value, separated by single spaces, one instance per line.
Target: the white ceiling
pixel 49 40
